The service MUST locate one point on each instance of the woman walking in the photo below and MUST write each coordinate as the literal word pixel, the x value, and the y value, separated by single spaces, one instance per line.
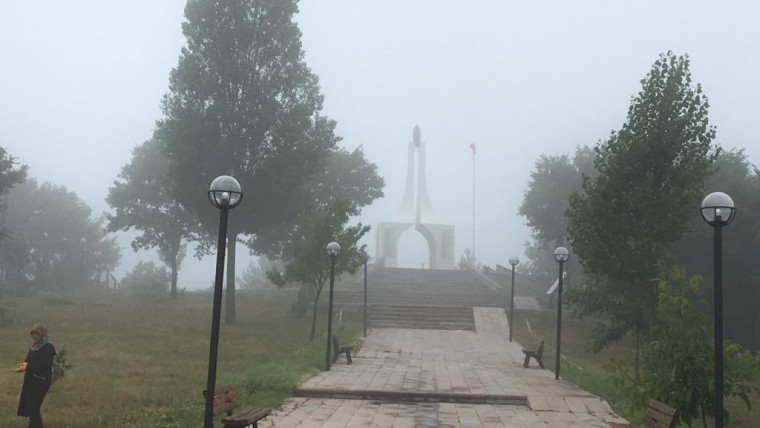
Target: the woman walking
pixel 38 367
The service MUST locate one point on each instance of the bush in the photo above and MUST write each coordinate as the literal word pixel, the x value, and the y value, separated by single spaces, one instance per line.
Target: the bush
pixel 272 382
pixel 677 364
pixel 304 301
pixel 60 365
pixel 147 278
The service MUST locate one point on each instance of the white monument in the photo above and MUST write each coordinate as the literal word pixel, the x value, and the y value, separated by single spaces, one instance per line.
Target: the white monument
pixel 416 211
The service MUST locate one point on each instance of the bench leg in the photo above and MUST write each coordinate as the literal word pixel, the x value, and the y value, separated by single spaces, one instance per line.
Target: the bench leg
pixel 348 356
pixel 527 360
pixel 540 362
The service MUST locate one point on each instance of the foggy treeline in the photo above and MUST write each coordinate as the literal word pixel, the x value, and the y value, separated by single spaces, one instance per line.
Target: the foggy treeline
pixel 252 112
pixel 49 238
pixel 628 209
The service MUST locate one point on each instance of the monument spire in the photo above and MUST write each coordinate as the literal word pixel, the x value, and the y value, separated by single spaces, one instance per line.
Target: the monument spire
pixel 417 211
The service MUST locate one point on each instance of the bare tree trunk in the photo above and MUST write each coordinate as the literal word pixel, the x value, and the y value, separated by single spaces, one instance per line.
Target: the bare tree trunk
pixel 173 286
pixel 315 307
pixel 229 301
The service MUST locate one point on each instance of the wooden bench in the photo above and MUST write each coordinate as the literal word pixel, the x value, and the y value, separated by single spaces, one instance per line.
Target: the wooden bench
pixel 337 350
pixel 537 354
pixel 226 399
pixel 657 415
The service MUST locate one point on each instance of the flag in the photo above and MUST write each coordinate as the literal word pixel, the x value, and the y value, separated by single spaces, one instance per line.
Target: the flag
pixel 472 146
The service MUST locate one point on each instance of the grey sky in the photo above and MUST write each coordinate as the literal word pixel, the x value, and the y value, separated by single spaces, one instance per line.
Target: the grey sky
pixel 81 82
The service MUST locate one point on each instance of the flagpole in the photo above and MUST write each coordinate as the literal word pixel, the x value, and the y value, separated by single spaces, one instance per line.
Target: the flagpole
pixel 473 199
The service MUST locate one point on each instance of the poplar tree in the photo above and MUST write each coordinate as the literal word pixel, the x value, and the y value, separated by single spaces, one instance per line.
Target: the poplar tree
pixel 650 182
pixel 243 102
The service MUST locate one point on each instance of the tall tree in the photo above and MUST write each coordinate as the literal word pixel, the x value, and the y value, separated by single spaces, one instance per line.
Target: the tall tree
pixel 547 198
pixel 651 178
pixel 64 245
pixel 346 176
pixel 734 175
pixel 11 174
pixel 544 207
pixel 243 102
pixel 142 199
pixel 305 259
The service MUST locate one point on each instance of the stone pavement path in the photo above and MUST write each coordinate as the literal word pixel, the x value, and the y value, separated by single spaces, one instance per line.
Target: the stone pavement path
pixel 441 378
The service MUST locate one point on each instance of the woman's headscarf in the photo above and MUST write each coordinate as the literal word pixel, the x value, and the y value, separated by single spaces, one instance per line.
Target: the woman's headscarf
pixel 42 330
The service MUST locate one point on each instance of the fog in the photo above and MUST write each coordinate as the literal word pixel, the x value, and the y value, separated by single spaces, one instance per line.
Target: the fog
pixel 81 84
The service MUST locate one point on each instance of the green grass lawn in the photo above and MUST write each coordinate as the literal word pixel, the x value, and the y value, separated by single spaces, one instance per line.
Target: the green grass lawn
pixel 142 361
pixel 583 367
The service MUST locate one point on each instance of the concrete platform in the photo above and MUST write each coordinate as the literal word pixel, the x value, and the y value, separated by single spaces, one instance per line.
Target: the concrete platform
pixel 441 378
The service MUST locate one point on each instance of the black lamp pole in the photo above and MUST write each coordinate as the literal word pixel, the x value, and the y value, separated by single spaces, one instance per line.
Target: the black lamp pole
pixel 513 261
pixel 225 194
pixel 561 255
pixel 718 210
pixel 330 312
pixel 718 323
pixel 332 249
pixel 559 320
pixel 365 298
pixel 215 319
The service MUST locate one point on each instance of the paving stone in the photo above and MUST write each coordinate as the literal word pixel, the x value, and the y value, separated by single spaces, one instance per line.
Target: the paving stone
pixel 442 363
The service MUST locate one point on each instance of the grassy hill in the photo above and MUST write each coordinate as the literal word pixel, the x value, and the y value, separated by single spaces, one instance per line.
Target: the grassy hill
pixel 142 361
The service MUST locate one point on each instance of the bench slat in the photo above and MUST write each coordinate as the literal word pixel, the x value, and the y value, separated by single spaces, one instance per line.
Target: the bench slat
pixel 537 355
pixel 659 415
pixel 656 421
pixel 225 407
pixel 337 350
pixel 662 408
pixel 249 416
pixel 225 399
pixel 225 388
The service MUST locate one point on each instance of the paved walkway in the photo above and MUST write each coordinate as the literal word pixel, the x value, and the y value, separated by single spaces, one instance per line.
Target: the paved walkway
pixel 441 378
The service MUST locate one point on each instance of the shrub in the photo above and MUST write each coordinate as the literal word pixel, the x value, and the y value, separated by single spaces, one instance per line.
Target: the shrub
pixel 304 300
pixel 60 365
pixel 147 278
pixel 272 382
pixel 677 364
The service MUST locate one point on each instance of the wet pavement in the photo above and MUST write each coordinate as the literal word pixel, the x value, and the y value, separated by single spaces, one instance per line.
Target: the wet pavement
pixel 441 378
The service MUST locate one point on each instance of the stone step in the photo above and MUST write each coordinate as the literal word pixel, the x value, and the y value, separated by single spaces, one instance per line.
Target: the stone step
pixel 514 399
pixel 428 320
pixel 425 317
pixel 419 316
pixel 406 308
pixel 422 325
pixel 422 300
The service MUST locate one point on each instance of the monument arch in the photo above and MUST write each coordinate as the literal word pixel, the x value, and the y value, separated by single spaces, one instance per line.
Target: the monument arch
pixel 416 211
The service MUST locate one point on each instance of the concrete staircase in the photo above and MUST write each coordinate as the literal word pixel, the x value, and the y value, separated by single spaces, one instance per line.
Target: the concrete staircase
pixel 424 317
pixel 422 298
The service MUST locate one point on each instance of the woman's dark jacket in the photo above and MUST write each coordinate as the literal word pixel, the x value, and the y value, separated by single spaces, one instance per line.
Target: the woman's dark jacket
pixel 37 378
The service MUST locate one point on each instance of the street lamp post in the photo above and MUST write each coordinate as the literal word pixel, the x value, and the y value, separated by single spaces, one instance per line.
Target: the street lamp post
pixel 333 250
pixel 514 262
pixel 83 241
pixel 561 255
pixel 718 210
pixel 225 194
pixel 365 296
